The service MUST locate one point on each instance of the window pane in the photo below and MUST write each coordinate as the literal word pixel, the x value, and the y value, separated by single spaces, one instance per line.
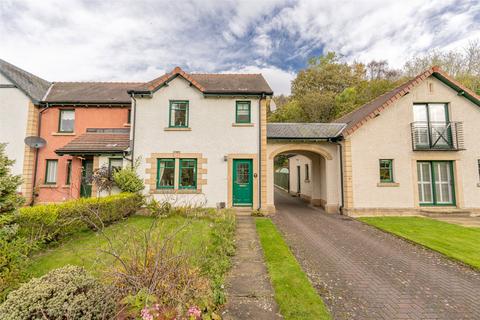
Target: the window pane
pixel 51 174
pixel 420 112
pixel 386 172
pixel 443 183
pixel 424 182
pixel 243 173
pixel 179 114
pixel 437 112
pixel 67 120
pixel 166 173
pixel 243 112
pixel 116 165
pixel 188 177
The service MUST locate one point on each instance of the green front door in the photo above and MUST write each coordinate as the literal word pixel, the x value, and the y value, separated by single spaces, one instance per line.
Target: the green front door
pixel 86 183
pixel 242 182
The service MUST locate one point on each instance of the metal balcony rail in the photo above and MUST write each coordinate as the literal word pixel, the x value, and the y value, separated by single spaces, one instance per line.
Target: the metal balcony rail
pixel 438 136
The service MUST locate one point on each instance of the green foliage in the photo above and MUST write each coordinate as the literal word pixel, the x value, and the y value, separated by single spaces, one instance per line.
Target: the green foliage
pixel 128 180
pixel 294 293
pixel 45 223
pixel 13 257
pixel 9 198
pixel 66 293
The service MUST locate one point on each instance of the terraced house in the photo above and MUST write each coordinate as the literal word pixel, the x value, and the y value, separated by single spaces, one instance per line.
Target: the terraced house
pixel 203 139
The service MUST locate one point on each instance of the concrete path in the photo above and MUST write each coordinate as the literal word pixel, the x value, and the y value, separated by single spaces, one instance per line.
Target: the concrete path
pixel 249 292
pixel 364 273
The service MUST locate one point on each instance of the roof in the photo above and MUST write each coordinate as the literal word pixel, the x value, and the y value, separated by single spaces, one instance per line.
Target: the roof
pixel 304 130
pixel 33 86
pixel 96 143
pixel 372 109
pixel 209 83
pixel 91 92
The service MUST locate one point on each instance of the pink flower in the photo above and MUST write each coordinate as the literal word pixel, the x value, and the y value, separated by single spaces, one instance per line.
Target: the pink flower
pixel 145 313
pixel 194 312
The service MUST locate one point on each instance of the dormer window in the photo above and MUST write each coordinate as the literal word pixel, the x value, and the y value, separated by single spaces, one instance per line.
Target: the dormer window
pixel 178 114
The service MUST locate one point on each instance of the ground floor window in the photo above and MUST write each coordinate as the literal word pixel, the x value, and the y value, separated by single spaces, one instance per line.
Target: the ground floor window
pixel 115 164
pixel 165 173
pixel 436 183
pixel 51 172
pixel 69 172
pixel 188 174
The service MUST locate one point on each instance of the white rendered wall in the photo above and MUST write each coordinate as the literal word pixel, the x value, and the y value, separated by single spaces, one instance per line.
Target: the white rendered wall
pixel 212 134
pixel 13 122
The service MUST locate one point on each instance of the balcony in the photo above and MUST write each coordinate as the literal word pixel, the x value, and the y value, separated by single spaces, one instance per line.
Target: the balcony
pixel 437 136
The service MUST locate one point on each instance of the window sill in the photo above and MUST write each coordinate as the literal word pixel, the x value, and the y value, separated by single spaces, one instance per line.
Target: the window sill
pixel 176 191
pixel 177 129
pixel 307 180
pixel 63 133
pixel 66 186
pixel 48 186
pixel 242 124
pixel 128 125
pixel 388 184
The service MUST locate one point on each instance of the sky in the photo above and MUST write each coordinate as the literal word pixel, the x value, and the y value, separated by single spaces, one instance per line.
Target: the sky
pixel 120 40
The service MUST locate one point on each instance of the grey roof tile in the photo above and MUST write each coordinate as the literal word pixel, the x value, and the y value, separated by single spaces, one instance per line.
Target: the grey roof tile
pixel 304 130
pixel 30 84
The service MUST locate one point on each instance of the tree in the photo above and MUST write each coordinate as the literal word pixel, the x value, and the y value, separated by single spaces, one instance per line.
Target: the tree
pixel 9 198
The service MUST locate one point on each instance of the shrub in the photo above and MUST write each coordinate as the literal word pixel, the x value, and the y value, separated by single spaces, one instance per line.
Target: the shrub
pixel 103 179
pixel 65 293
pixel 44 223
pixel 13 256
pixel 9 198
pixel 128 180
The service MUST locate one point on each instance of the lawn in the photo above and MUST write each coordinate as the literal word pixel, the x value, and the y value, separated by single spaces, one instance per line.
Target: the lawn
pixel 84 249
pixel 454 241
pixel 294 293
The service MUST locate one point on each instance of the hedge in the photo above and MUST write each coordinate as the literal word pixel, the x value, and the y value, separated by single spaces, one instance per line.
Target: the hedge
pixel 45 223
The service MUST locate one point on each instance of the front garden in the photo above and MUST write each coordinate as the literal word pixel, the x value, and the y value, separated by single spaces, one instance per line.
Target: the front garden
pixel 97 258
pixel 454 241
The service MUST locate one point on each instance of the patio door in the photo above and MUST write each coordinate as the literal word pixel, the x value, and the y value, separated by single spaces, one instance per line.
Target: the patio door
pixel 436 183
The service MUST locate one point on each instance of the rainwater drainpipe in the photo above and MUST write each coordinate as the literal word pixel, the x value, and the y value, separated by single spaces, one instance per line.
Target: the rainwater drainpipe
pixel 341 177
pixel 35 168
pixel 134 106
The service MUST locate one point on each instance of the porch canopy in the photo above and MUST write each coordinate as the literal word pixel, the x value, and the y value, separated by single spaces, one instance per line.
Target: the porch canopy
pixel 305 131
pixel 103 141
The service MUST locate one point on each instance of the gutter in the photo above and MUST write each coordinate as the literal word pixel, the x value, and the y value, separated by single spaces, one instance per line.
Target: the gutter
pixel 342 187
pixel 259 153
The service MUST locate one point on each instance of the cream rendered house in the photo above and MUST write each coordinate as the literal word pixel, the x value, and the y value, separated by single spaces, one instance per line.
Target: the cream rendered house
pixel 199 137
pixel 20 94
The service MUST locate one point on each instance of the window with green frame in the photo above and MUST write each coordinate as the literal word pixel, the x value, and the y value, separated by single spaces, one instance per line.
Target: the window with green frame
pixel 243 112
pixel 178 114
pixel 386 170
pixel 66 120
pixel 69 172
pixel 188 174
pixel 436 186
pixel 51 172
pixel 165 173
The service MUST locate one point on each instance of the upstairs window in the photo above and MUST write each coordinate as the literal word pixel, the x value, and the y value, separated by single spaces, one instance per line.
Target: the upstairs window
pixel 243 114
pixel 178 114
pixel 386 170
pixel 165 173
pixel 66 121
pixel 188 174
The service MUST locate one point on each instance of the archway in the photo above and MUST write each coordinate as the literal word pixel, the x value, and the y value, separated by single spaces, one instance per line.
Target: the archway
pixel 313 173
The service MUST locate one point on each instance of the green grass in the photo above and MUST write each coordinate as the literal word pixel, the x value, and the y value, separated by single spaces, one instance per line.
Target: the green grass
pixel 84 249
pixel 454 241
pixel 294 293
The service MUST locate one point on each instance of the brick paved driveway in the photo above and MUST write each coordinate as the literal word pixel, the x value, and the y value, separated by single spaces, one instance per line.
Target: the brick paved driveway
pixel 364 273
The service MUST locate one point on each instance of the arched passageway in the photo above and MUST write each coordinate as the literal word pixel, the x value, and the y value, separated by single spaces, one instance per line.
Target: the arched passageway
pixel 313 172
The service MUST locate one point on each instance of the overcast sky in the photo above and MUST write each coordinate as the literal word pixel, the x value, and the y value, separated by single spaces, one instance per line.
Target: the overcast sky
pixel 102 40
